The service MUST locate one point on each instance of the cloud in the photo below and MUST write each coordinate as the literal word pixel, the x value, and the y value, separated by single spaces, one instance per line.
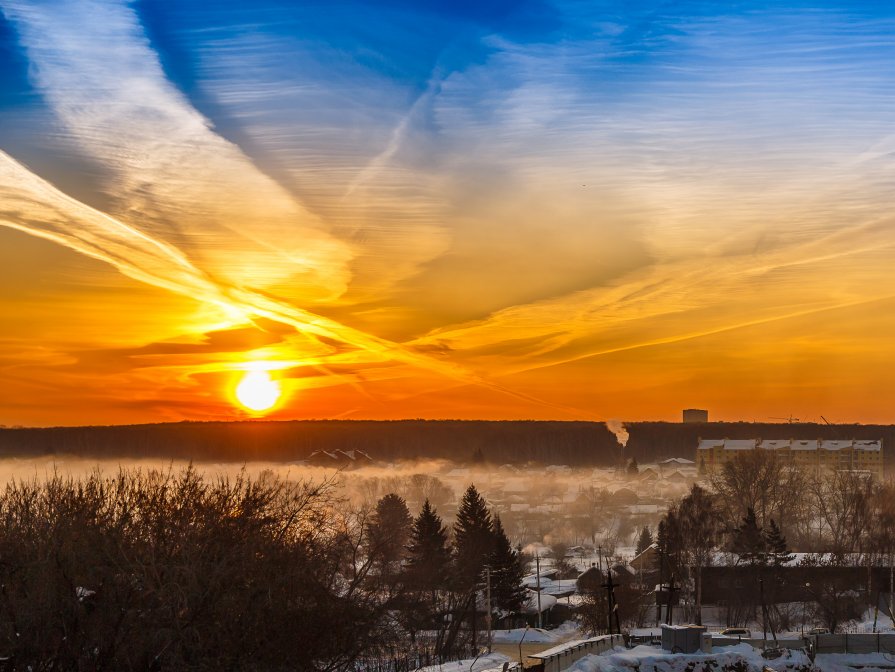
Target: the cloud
pixel 170 174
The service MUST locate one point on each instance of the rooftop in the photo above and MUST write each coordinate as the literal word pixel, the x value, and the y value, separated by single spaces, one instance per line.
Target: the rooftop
pixel 791 444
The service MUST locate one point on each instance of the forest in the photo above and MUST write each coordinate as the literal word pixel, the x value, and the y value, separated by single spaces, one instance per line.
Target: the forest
pixel 493 442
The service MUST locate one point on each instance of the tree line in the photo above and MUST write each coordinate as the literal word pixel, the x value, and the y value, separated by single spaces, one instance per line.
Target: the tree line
pixel 473 441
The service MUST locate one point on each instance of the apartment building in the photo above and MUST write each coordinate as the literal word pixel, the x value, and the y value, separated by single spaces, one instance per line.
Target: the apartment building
pixel 852 454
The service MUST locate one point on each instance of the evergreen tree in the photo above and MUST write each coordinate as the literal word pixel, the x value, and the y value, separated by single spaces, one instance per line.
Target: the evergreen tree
pixel 644 541
pixel 428 555
pixel 507 591
pixel 776 546
pixel 633 468
pixel 473 539
pixel 669 543
pixel 748 541
pixel 388 531
pixel 699 524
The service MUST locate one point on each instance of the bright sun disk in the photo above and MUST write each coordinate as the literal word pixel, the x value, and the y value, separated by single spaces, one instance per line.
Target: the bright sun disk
pixel 257 391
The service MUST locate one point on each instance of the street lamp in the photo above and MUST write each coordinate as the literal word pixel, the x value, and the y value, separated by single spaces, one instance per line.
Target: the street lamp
pixel 520 643
pixel 808 588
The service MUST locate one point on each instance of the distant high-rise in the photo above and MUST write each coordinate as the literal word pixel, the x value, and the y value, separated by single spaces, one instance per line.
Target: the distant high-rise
pixel 695 415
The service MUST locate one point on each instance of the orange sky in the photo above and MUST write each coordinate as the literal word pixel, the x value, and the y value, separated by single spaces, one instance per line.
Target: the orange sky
pixel 516 236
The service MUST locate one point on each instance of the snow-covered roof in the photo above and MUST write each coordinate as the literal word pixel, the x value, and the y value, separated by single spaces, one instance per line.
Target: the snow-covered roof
pixel 803 445
pixel 869 445
pixel 531 604
pixel 727 444
pixel 790 444
pixel 677 460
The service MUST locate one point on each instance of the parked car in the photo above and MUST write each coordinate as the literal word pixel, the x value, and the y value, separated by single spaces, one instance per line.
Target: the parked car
pixel 819 631
pixel 737 632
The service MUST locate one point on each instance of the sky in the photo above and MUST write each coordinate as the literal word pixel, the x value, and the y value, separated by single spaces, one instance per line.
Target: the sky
pixel 540 209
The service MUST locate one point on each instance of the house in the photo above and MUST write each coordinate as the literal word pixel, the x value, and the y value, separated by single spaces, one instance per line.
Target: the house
pixel 648 560
pixel 340 459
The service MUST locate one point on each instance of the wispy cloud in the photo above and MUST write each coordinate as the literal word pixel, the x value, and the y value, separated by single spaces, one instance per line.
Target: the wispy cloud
pixel 171 174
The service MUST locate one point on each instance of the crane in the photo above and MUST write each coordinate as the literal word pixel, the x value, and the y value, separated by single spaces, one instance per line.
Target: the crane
pixel 790 419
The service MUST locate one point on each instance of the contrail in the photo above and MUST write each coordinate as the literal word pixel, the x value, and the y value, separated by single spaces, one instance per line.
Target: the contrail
pixel 34 206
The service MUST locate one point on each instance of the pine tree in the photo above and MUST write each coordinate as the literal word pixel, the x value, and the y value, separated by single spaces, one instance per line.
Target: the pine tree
pixel 428 555
pixel 748 541
pixel 775 544
pixel 633 468
pixel 473 539
pixel 644 541
pixel 507 591
pixel 388 531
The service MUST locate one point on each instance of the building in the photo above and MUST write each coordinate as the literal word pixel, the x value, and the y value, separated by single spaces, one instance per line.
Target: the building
pixel 851 455
pixel 694 415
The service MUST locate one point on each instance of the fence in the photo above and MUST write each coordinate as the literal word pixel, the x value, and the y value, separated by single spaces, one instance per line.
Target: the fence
pixel 410 661
pixel 565 655
pixel 853 643
pixel 759 643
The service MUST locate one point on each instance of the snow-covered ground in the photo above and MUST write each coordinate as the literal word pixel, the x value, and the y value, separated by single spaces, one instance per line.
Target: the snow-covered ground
pixel 488 661
pixel 848 662
pixel 568 630
pixel 651 659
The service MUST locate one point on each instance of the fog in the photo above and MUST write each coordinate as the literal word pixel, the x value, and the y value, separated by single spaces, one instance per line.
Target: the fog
pixel 538 505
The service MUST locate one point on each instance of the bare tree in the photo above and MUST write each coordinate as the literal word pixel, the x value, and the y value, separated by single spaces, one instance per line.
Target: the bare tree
pixel 700 524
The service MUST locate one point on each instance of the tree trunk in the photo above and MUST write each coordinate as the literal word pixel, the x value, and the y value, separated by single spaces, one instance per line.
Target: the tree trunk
pixel 698 595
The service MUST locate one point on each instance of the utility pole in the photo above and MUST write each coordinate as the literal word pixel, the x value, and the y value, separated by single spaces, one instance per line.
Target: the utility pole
pixel 610 599
pixel 891 587
pixel 670 600
pixel 764 611
pixel 488 602
pixel 661 588
pixel 538 580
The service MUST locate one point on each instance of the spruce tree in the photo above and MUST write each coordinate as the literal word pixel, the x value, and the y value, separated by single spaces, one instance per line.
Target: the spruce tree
pixel 633 468
pixel 644 541
pixel 776 545
pixel 748 541
pixel 507 591
pixel 428 555
pixel 388 531
pixel 473 539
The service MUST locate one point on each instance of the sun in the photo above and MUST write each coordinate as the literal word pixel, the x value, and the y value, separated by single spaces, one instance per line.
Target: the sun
pixel 257 391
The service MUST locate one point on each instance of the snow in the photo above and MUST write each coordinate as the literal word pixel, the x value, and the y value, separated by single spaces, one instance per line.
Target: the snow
pixel 564 632
pixel 531 603
pixel 527 635
pixel 555 587
pixel 790 444
pixel 487 661
pixel 651 659
pixel 847 662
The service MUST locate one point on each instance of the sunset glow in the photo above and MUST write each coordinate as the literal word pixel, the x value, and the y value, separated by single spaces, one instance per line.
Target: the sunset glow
pixel 542 209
